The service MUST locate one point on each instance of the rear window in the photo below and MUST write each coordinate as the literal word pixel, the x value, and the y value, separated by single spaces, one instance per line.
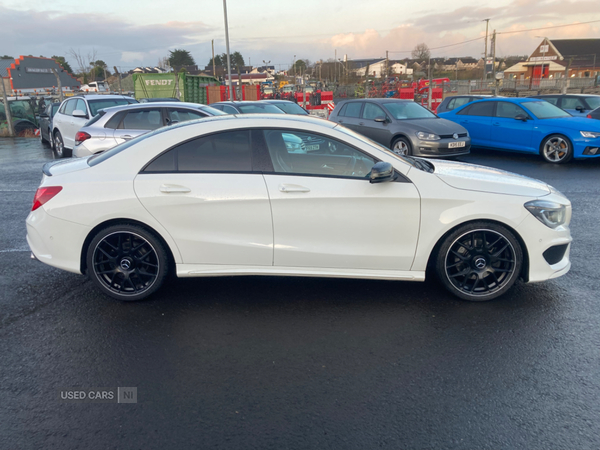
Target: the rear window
pixel 95 119
pixel 97 105
pixel 594 102
pixel 260 109
pixel 291 108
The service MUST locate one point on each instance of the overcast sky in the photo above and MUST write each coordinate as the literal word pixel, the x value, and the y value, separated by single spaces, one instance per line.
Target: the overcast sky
pixel 128 33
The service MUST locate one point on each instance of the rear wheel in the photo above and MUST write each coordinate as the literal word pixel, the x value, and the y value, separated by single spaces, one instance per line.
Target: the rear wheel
pixel 402 146
pixel 479 261
pixel 557 149
pixel 127 262
pixel 59 146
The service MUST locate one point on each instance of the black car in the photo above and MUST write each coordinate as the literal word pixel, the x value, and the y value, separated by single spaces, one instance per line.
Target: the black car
pixel 574 104
pixel 595 114
pixel 451 103
pixel 247 107
pixel 288 107
pixel 46 122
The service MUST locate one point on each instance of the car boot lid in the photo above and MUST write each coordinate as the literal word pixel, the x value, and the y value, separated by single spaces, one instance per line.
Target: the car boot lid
pixel 472 177
pixel 64 166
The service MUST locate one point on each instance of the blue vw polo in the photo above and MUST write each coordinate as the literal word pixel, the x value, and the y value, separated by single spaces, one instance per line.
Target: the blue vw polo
pixel 528 125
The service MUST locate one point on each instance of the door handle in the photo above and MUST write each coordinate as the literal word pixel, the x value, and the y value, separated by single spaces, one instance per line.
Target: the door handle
pixel 174 189
pixel 127 137
pixel 464 121
pixel 496 124
pixel 340 121
pixel 361 123
pixel 293 188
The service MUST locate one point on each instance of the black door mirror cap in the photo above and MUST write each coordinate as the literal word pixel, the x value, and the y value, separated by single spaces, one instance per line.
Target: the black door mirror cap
pixel 521 117
pixel 382 172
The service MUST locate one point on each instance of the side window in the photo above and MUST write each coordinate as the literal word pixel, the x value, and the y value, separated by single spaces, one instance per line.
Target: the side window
pixel 478 109
pixel 219 107
pixel 451 104
pixel 81 106
pixel 70 107
pixel 182 115
pixel 353 109
pixel 304 153
pixel 509 110
pixel 63 107
pixel 343 110
pixel 553 100
pixel 229 110
pixel 459 101
pixel 146 119
pixel 114 121
pixel 572 103
pixel 371 110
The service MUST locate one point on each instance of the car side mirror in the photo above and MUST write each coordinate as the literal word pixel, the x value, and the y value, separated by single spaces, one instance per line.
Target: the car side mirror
pixel 522 117
pixel 80 113
pixel 381 172
pixel 44 116
pixel 579 108
pixel 380 119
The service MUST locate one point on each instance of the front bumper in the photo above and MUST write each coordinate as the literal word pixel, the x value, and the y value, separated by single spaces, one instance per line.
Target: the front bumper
pixel 540 239
pixel 440 149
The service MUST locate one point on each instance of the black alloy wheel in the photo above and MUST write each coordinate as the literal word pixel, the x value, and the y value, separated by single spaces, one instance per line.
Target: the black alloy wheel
pixel 479 261
pixel 127 262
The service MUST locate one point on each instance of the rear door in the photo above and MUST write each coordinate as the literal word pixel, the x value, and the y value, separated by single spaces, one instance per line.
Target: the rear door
pixel 350 115
pixel 508 132
pixel 206 194
pixel 477 119
pixel 137 122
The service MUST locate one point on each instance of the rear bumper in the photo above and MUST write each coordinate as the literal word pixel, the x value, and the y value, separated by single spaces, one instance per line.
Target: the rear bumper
pixel 55 242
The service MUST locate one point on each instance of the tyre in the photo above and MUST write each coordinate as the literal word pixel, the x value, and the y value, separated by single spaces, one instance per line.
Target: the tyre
pixel 127 262
pixel 401 146
pixel 479 261
pixel 556 149
pixel 59 146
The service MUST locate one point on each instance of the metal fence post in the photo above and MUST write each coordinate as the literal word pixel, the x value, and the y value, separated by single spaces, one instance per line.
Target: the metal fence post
pixel 11 128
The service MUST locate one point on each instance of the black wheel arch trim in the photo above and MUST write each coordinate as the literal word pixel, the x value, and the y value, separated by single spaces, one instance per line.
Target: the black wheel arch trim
pixel 400 135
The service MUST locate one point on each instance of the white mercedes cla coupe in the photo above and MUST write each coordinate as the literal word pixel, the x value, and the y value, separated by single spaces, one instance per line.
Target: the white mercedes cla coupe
pixel 240 196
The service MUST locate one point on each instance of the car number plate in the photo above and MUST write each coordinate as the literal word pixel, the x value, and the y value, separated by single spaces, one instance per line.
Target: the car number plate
pixel 310 148
pixel 456 144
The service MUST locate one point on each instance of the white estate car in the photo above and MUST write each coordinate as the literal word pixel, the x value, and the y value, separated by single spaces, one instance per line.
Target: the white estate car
pixel 74 112
pixel 232 195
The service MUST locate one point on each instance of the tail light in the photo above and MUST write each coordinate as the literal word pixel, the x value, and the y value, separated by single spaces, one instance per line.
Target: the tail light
pixel 44 194
pixel 589 116
pixel 81 136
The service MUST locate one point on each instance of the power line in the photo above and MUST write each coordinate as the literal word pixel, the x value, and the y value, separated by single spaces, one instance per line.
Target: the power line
pixel 443 46
pixel 547 28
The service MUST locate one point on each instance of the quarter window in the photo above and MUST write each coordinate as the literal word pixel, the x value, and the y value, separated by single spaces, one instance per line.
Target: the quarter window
pixel 300 153
pixel 183 115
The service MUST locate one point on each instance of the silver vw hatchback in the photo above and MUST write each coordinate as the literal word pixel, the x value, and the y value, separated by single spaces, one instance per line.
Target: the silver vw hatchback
pixel 112 126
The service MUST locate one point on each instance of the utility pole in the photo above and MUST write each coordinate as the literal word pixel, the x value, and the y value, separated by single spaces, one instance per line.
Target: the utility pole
pixel 11 128
pixel 429 90
pixel 564 88
pixel 335 62
pixel 213 53
pixel 487 23
pixel 227 45
pixel 59 84
pixel 386 63
pixel 494 63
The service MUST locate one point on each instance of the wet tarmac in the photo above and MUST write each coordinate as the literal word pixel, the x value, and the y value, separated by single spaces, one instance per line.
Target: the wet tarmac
pixel 300 363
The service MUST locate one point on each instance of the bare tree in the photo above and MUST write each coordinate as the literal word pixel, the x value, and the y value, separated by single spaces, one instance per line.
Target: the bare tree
pixel 84 62
pixel 421 52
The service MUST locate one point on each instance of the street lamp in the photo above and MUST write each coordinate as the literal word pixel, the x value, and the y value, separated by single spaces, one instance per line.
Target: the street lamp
pixel 227 46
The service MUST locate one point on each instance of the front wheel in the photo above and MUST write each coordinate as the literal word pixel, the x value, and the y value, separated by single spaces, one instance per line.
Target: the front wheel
pixel 127 262
pixel 556 149
pixel 402 146
pixel 479 261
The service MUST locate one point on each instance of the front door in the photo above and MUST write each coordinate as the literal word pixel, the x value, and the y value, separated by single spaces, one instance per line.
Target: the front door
pixel 378 131
pixel 508 132
pixel 215 208
pixel 326 213
pixel 477 119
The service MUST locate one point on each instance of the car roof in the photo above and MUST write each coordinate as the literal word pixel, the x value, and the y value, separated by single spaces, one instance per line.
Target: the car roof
pixel 566 95
pixel 278 101
pixel 277 120
pixel 239 102
pixel 99 96
pixel 154 105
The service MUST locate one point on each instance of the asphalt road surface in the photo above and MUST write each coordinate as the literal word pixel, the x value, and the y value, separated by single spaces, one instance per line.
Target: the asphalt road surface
pixel 300 363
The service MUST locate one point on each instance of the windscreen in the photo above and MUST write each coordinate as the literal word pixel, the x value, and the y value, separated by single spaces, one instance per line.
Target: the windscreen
pixel 292 108
pixel 545 110
pixel 97 105
pixel 408 110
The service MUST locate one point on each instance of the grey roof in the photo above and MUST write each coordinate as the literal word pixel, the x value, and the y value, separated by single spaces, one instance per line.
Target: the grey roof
pixel 22 79
pixel 5 64
pixel 584 52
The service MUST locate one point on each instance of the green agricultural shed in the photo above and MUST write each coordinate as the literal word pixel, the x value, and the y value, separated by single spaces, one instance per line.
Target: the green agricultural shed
pixel 185 87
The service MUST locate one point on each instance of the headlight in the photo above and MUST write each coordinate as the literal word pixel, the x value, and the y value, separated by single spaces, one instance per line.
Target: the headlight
pixel 549 213
pixel 427 136
pixel 590 134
